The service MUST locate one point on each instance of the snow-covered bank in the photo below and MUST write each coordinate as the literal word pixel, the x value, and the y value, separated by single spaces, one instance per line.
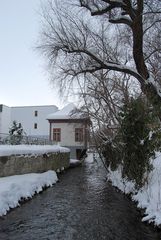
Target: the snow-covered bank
pixel 7 150
pixel 75 163
pixel 15 188
pixel 149 197
pixel 89 158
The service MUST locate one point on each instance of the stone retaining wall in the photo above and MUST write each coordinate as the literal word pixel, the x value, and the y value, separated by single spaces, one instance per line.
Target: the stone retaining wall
pixel 22 164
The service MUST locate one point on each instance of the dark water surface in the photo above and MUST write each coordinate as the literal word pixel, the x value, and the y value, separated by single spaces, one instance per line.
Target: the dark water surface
pixel 82 206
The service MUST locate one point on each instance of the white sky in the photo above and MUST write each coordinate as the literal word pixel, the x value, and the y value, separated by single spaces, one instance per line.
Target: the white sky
pixel 23 78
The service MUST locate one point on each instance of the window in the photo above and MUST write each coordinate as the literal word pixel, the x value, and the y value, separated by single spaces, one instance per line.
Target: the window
pixel 36 113
pixel 79 134
pixel 57 134
pixel 35 125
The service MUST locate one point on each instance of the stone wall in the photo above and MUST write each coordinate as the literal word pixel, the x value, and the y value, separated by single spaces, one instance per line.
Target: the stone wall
pixel 22 164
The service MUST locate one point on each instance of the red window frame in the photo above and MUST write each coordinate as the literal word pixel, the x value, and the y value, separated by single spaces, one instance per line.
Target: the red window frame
pixel 56 134
pixel 78 134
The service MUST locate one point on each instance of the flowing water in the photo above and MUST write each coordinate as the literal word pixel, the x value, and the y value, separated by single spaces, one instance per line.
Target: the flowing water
pixel 81 206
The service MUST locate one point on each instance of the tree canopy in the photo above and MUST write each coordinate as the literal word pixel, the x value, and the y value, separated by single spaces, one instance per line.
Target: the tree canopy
pixel 85 38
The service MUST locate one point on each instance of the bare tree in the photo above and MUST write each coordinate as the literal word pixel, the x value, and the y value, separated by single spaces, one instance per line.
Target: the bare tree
pixel 121 36
pixel 142 19
pixel 103 96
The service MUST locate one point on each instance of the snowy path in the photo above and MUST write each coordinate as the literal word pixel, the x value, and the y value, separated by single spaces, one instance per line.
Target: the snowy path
pixel 82 206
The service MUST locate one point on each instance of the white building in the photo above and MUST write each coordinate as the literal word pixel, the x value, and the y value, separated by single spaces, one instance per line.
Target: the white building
pixel 70 130
pixel 63 127
pixel 5 118
pixel 32 118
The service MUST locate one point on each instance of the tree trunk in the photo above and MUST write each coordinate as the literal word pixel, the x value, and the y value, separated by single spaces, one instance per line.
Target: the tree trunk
pixel 152 95
pixel 148 88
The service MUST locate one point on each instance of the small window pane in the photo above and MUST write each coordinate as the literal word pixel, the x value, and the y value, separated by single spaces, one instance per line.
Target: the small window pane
pixel 1 108
pixel 36 113
pixel 35 125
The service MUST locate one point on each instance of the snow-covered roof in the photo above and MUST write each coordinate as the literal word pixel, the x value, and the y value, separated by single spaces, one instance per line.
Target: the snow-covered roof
pixel 68 112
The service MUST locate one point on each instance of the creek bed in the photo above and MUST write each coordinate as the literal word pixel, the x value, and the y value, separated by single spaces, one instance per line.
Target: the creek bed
pixel 82 206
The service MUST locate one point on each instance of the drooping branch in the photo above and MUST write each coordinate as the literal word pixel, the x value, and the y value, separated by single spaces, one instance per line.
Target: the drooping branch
pixel 97 10
pixel 121 20
pixel 133 19
pixel 88 51
pixel 124 5
pixel 107 65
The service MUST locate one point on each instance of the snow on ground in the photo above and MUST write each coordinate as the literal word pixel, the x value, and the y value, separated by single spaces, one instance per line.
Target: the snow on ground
pixel 7 150
pixel 13 189
pixel 149 197
pixel 89 158
pixel 74 161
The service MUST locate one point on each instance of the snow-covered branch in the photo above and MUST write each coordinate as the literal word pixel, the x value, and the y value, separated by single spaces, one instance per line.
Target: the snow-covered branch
pixel 121 20
pixel 80 46
pixel 107 65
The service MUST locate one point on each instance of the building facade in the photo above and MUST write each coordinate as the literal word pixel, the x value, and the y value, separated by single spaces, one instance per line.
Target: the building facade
pixel 32 119
pixel 5 119
pixel 70 130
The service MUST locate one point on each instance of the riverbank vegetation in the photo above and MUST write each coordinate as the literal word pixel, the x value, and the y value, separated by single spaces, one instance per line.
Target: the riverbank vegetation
pixel 135 142
pixel 108 54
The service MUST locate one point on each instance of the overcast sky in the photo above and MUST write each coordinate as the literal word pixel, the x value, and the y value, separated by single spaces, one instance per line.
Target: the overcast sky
pixel 23 78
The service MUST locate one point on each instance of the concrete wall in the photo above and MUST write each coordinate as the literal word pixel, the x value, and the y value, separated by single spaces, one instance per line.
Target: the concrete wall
pixel 18 164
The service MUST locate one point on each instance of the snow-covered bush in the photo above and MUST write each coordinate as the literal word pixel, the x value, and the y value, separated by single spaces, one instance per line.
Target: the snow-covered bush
pixel 149 196
pixel 138 147
pixel 135 143
pixel 112 152
pixel 16 133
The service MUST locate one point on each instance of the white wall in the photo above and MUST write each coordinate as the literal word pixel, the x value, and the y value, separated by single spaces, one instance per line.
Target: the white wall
pixel 67 133
pixel 5 119
pixel 26 116
pixel 0 122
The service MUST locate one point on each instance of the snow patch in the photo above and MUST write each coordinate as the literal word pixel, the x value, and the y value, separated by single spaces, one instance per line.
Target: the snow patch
pixel 8 150
pixel 155 84
pixel 68 112
pixel 15 188
pixel 74 161
pixel 89 158
pixel 149 197
pixel 64 113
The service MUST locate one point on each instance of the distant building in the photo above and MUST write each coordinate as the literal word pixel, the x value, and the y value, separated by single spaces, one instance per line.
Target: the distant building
pixel 65 127
pixel 70 129
pixel 5 119
pixel 32 118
